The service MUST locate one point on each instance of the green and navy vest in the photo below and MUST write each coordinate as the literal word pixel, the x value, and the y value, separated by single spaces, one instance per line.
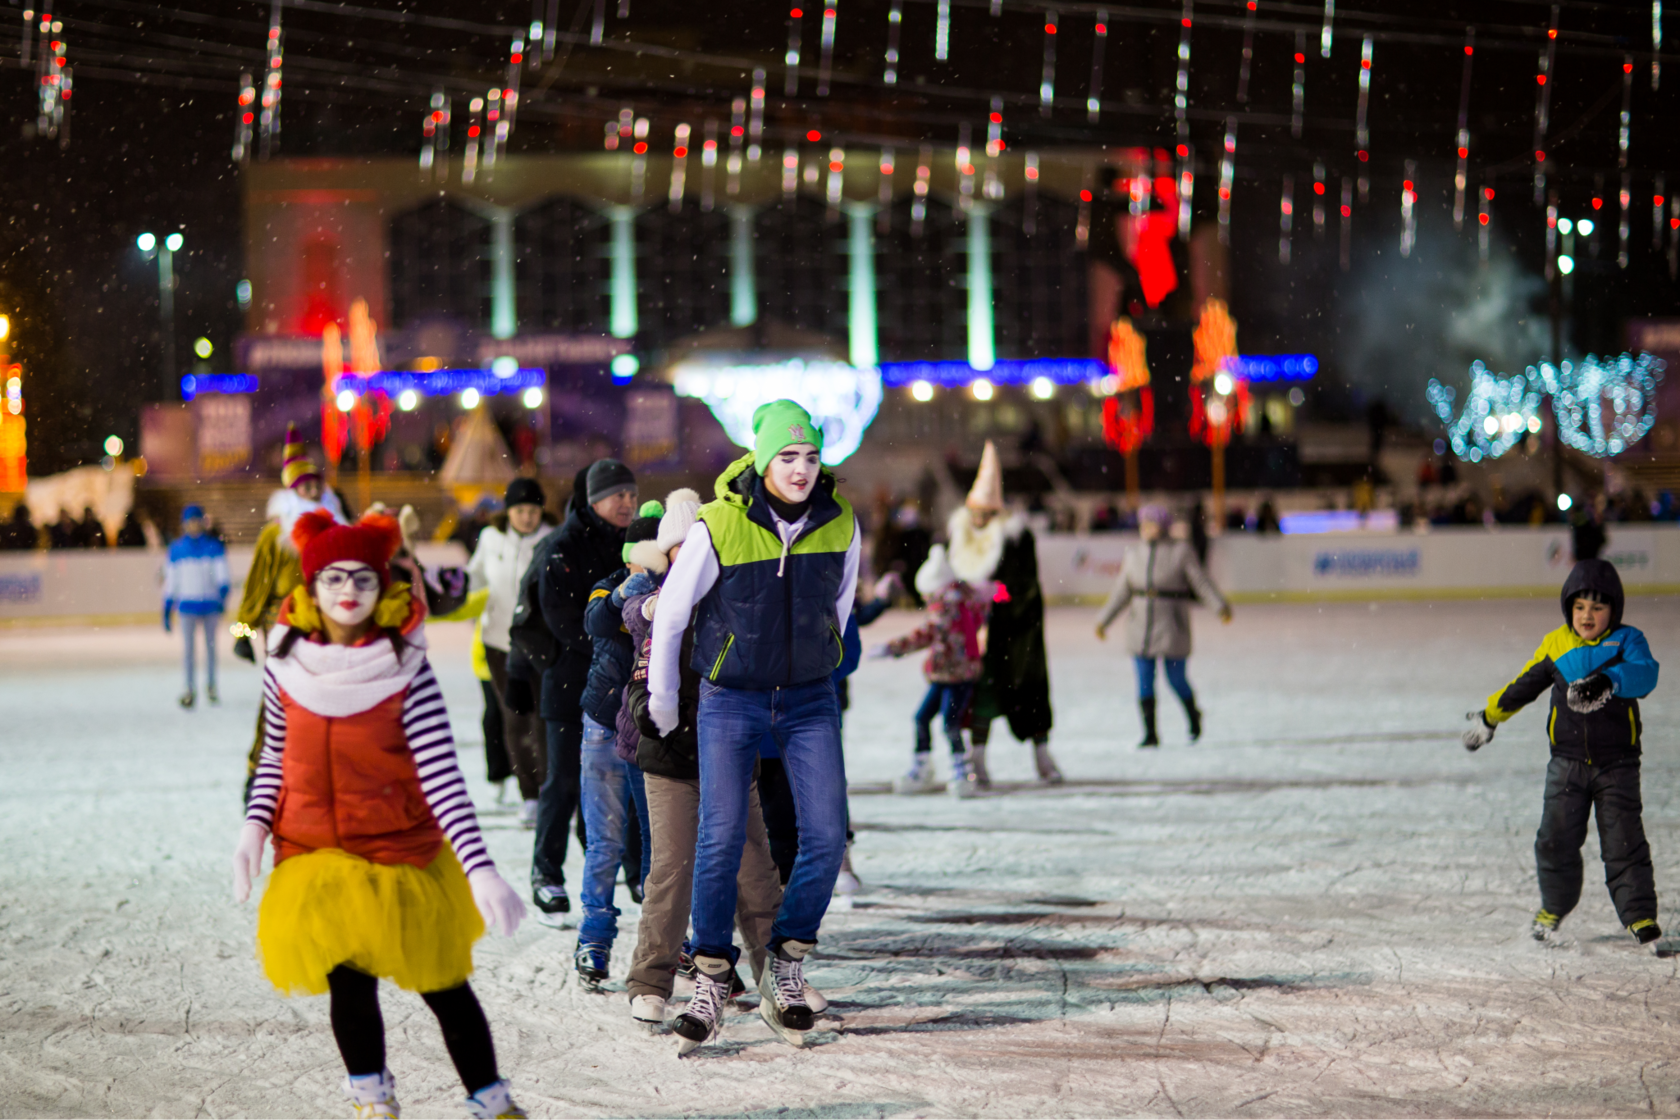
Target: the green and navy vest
pixel 757 628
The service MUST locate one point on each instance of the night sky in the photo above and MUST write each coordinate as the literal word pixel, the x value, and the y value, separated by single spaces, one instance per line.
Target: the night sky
pixel 152 122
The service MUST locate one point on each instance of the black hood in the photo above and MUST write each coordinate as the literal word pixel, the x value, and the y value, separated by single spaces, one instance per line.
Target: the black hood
pixel 1599 577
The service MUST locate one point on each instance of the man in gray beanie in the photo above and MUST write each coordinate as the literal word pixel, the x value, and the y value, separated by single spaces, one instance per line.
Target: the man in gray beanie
pixel 587 548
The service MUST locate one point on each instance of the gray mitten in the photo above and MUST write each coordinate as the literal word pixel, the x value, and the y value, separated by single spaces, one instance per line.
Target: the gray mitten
pixel 1480 733
pixel 1590 693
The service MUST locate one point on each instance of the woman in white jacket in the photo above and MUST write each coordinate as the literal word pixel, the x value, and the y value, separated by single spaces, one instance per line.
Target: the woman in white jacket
pixel 498 564
pixel 1159 580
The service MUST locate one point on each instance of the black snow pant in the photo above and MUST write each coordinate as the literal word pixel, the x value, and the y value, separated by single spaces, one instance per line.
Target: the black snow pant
pixel 1611 793
pixel 496 764
pixel 359 1028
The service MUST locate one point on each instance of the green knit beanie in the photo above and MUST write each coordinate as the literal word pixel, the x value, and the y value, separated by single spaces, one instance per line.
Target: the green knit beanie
pixel 781 424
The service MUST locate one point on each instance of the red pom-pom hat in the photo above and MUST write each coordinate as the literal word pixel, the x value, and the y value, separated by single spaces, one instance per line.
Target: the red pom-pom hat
pixel 321 541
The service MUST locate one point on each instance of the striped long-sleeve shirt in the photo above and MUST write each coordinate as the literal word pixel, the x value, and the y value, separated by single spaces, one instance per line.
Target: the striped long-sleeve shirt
pixel 425 721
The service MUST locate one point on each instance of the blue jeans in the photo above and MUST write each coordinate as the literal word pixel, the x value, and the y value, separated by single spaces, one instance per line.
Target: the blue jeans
pixel 950 698
pixel 206 623
pixel 1175 676
pixel 805 721
pixel 609 786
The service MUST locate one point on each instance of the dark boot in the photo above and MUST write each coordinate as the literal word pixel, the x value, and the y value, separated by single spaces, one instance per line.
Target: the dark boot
pixel 1146 708
pixel 1193 715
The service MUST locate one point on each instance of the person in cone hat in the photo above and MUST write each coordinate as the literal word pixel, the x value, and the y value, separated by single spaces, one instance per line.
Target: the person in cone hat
pixel 990 544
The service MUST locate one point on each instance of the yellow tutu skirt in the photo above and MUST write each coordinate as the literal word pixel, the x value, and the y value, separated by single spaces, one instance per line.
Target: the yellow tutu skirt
pixel 412 926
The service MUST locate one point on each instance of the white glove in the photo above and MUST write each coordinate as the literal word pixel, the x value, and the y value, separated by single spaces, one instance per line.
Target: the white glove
pixel 879 651
pixel 247 859
pixel 1480 733
pixel 884 586
pixel 500 904
pixel 663 710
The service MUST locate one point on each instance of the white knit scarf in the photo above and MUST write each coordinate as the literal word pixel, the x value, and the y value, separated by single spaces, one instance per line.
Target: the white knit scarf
pixel 337 681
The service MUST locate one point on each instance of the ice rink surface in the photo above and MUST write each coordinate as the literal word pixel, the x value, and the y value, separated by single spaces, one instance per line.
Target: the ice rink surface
pixel 1321 910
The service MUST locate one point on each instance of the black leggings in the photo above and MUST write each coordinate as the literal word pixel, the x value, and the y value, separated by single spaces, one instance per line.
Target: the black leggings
pixel 360 1029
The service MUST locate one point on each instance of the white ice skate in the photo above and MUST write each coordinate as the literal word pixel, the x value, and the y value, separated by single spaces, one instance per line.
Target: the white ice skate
pixel 494 1102
pixel 373 1094
pixel 962 781
pixel 528 814
pixel 815 1000
pixel 920 779
pixel 977 766
pixel 1048 773
pixel 647 1012
pixel 781 993
pixel 701 1019
pixel 847 884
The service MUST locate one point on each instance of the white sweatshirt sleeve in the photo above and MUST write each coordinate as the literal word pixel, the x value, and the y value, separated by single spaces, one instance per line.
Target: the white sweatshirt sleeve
pixel 848 579
pixel 689 581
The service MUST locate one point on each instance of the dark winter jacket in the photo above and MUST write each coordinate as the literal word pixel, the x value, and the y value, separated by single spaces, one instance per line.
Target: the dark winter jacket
pixel 574 558
pixel 1612 732
pixel 1015 674
pixel 613 656
pixel 676 755
pixel 769 620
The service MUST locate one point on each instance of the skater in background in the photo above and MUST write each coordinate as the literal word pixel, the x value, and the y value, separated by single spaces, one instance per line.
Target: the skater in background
pixel 1597 669
pixel 951 635
pixel 498 564
pixel 768 575
pixel 586 549
pixel 989 547
pixel 671 770
pixel 195 583
pixel 274 572
pixel 380 871
pixel 497 768
pixel 1159 581
pixel 612 794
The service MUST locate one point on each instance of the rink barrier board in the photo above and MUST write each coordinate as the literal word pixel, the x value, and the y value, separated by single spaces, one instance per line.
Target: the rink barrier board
pixel 119 586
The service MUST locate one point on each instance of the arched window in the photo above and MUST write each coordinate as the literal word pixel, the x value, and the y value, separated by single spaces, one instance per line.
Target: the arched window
pixel 439 265
pixel 562 267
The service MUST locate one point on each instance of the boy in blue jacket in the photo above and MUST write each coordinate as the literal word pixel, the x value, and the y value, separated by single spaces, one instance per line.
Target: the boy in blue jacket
pixel 195 582
pixel 1597 669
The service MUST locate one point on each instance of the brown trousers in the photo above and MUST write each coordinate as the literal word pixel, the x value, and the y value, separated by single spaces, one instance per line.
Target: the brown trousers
pixel 525 736
pixel 674 820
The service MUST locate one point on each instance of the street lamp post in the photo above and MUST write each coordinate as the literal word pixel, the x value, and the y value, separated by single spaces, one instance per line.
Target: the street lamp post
pixel 165 251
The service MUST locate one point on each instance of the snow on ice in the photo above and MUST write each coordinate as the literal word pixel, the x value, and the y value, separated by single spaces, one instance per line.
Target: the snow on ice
pixel 1320 910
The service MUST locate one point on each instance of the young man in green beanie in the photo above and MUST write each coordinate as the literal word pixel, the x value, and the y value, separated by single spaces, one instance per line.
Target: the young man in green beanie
pixel 768 574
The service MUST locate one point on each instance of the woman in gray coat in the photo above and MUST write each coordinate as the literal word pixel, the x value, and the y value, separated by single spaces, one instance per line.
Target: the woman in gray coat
pixel 1159 580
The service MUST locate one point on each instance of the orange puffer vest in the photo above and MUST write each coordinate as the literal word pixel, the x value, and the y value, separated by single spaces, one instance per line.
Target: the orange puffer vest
pixel 351 783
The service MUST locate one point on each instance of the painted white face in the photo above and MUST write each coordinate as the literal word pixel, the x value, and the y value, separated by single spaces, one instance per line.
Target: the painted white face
pixel 794 472
pixel 347 592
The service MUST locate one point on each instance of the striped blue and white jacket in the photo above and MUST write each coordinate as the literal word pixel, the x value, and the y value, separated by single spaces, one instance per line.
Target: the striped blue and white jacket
pixel 195 581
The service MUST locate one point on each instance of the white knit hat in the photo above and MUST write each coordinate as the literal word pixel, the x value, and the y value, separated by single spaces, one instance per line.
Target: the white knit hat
pixel 682 510
pixel 935 574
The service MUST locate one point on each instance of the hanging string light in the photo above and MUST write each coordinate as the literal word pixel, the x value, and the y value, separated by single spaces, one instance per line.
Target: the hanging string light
pixel 708 166
pixel 1286 218
pixel 924 176
pixel 1361 133
pixel 825 64
pixel 992 188
pixel 492 125
pixel 1624 137
pixel 755 123
pixel 1461 177
pixel 1318 201
pixel 737 137
pixel 510 95
pixel 1408 214
pixel 66 80
pixel 1551 238
pixel 1674 237
pixel 796 22
pixel 883 199
pixel 1324 36
pixel 245 116
pixel 50 79
pixel 598 26
pixel 1298 88
pixel 1484 219
pixel 790 172
pixel 1657 215
pixel 895 22
pixel 1093 103
pixel 836 178
pixel 965 169
pixel 1347 223
pixel 1227 174
pixel 1047 81
pixel 1498 412
pixel 1247 65
pixel 1029 194
pixel 638 160
pixel 1656 43
pixel 29 29
pixel 1543 106
pixel 1082 224
pixel 1181 114
pixel 1603 406
pixel 942 31
pixel 268 121
pixel 475 133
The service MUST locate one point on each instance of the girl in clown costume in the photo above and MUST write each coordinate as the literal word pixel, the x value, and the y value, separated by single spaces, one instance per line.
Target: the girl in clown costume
pixel 379 866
